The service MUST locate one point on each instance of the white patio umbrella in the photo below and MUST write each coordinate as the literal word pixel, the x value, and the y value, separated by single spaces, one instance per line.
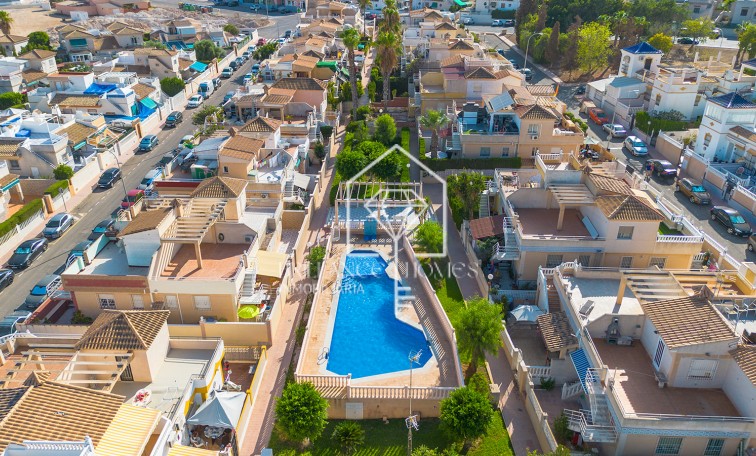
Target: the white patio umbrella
pixel 527 313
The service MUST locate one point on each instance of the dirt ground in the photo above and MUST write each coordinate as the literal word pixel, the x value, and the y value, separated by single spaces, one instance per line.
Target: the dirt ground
pixel 32 19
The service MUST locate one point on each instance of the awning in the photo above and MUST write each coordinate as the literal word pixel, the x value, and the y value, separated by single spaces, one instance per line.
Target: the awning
pixel 460 3
pixel 12 181
pixel 527 313
pixel 180 450
pixel 302 181
pixel 149 103
pixel 590 140
pixel 221 410
pixel 198 67
pixel 271 264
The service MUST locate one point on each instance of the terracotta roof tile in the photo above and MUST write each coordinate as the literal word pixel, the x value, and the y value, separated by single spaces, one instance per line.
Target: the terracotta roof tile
pixel 745 357
pixel 77 132
pixel 123 330
pixel 487 227
pixel 8 399
pixel 610 184
pixel 534 112
pixel 541 90
pixel 445 26
pixel 78 101
pixel 241 147
pixel 143 90
pixel 461 45
pixel 145 221
pixel 627 208
pixel 480 73
pixel 276 99
pixel 9 146
pixel 556 331
pixel 37 54
pixel 299 84
pixel 687 321
pixel 453 61
pixel 261 124
pixel 220 187
pixel 30 76
pixel 744 132
pixel 7 179
pixel 15 39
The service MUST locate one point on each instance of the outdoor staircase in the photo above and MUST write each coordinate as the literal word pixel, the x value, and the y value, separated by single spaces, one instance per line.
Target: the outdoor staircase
pixel 292 194
pixel 553 298
pixel 596 424
pixel 484 207
pixel 511 249
pixel 248 294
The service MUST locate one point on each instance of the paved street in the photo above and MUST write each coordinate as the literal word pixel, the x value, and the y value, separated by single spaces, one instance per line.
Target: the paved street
pixel 102 203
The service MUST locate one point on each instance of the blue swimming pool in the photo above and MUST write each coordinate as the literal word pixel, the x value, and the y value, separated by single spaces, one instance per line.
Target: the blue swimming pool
pixel 367 338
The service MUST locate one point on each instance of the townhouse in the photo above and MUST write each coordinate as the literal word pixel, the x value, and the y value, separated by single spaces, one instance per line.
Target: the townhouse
pixel 12 44
pixel 727 130
pixel 39 64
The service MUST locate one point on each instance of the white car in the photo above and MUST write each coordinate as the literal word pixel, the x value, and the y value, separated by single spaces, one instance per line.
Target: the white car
pixel 636 146
pixel 616 130
pixel 195 101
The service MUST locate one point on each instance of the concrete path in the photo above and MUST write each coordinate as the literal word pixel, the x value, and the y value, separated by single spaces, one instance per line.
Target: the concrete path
pixel 260 426
pixel 511 404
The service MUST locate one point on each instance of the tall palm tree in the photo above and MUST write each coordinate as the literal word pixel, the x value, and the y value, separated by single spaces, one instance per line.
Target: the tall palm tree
pixel 351 38
pixel 391 21
pixel 364 4
pixel 389 47
pixel 434 121
pixel 6 21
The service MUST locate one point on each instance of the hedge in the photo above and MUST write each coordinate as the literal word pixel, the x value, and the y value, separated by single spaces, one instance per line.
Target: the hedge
pixel 642 123
pixel 577 120
pixel 54 189
pixel 503 14
pixel 23 214
pixel 442 164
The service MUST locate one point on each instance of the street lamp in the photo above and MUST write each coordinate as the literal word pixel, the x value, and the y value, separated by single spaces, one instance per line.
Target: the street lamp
pixel 527 48
pixel 411 420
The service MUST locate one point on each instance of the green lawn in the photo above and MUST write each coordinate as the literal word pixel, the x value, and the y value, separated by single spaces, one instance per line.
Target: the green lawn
pixel 665 230
pixel 391 440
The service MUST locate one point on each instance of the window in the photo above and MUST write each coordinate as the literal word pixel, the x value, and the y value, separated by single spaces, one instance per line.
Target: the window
pixel 707 139
pixel 14 164
pixel 533 129
pixel 584 260
pixel 657 261
pixel 134 40
pixel 505 152
pixel 485 151
pixel 626 262
pixel 137 301
pixel 698 100
pixel 696 9
pixel 171 301
pixel 702 369
pixel 714 447
pixel 225 170
pixel 107 301
pixel 553 261
pixel 659 353
pixel 669 445
pixel 625 232
pixel 202 303
pixel 743 12
pixel 658 99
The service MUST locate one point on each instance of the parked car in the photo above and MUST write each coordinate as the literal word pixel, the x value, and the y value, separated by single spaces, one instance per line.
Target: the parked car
pixel 57 225
pixel 261 41
pixel 195 101
pixel 107 225
pixel 272 8
pixel 751 242
pixel 731 219
pixel 173 119
pixel 240 61
pixel 287 9
pixel 509 22
pixel 248 53
pixel 497 23
pixel 43 290
pixel 468 21
pixel 27 252
pixel 580 90
pixel 281 41
pixel 635 146
pixel 186 163
pixel 528 73
pixel 233 65
pixel 148 143
pixel 233 3
pixel 255 68
pixel 165 160
pixel 9 322
pixel 687 40
pixel 662 168
pixel 247 77
pixel 255 8
pixel 6 278
pixel 616 130
pixel 694 191
pixel 217 82
pixel 150 178
pixel 131 198
pixel 109 177
pixel 187 141
pixel 229 95
pixel 371 16
pixel 287 34
pixel 597 115
pixel 227 72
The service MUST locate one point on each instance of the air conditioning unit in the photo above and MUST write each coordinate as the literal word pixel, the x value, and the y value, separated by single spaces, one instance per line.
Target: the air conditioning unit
pixel 263 195
pixel 249 238
pixel 533 137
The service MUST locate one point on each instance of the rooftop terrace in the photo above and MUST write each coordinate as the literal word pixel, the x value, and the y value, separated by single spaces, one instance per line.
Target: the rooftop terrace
pixel 112 261
pixel 542 223
pixel 219 261
pixel 595 298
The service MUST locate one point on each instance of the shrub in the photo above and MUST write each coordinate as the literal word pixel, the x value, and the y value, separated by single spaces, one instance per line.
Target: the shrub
pixel 647 123
pixel 172 86
pixel 23 214
pixel 503 14
pixel 316 257
pixel 301 412
pixel 548 383
pixel 385 129
pixel 479 382
pixel 63 172
pixel 79 318
pixel 10 99
pixel 56 188
pixel 265 51
pixel 561 430
pixel 349 435
pixel 231 28
pixel 326 131
pixel 442 164
pixel 319 150
pixel 363 112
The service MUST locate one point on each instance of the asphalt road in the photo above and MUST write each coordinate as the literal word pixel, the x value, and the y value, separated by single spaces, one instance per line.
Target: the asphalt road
pixel 102 203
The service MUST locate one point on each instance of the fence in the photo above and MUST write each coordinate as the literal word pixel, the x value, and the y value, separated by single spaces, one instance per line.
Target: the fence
pixel 9 240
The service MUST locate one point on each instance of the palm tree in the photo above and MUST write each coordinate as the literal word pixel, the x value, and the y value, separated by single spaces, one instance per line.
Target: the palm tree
pixel 351 38
pixel 364 4
pixel 6 21
pixel 478 331
pixel 391 21
pixel 389 47
pixel 434 121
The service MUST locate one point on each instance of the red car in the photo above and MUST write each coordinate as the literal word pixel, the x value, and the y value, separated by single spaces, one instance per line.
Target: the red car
pixel 133 197
pixel 598 116
pixel 261 41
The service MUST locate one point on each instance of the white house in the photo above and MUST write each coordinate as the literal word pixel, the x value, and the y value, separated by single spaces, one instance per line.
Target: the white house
pixel 721 115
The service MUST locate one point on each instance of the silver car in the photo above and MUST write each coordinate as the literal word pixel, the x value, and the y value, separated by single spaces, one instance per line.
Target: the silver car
pixel 636 146
pixel 58 225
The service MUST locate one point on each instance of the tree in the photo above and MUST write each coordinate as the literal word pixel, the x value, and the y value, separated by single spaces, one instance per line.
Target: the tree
pixel 265 51
pixel 430 237
pixel 6 22
pixel 155 44
pixel 527 7
pixel 231 28
pixel 565 11
pixel 319 150
pixel 698 29
pixel 552 48
pixel 207 50
pixel 385 129
pixel 351 39
pixel 479 382
pixel 37 40
pixel 349 435
pixel 207 111
pixel 434 120
pixel 172 86
pixel 350 162
pixel 661 42
pixel 301 412
pixel 478 331
pixel 63 172
pixel 593 49
pixel 466 414
pixel 467 188
pixel 659 13
pixel 561 450
pixel 746 41
pixel 391 21
pixel 326 131
pixel 389 47
pixel 11 99
pixel 541 22
pixel 570 53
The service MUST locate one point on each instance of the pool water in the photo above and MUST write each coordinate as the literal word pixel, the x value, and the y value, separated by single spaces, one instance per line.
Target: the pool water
pixel 367 338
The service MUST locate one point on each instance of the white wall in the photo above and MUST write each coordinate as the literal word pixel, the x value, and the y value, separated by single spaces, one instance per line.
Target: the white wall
pixel 740 390
pixel 140 247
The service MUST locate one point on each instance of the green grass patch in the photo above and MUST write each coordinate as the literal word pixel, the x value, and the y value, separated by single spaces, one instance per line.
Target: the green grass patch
pixel 442 164
pixel 496 442
pixel 665 230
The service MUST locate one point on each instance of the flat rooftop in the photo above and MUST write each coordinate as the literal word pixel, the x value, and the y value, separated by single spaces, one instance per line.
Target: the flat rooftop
pixel 170 380
pixel 602 295
pixel 112 261
pixel 636 387
pixel 256 217
pixel 542 223
pixel 219 261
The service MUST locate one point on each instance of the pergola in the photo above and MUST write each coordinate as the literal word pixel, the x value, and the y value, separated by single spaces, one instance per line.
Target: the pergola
pixel 570 196
pixel 378 194
pixel 650 286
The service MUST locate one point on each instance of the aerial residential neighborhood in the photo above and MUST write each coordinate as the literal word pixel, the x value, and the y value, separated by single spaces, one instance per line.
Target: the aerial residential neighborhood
pixel 432 228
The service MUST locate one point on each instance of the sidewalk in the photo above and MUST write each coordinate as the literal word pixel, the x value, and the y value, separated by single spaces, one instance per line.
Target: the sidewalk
pixel 511 404
pixel 260 426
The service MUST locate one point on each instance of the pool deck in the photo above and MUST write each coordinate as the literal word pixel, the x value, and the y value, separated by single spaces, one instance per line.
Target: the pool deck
pixel 435 372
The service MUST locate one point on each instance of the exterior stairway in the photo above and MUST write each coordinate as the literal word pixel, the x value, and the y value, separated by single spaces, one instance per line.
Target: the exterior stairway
pixel 247 294
pixel 484 207
pixel 553 298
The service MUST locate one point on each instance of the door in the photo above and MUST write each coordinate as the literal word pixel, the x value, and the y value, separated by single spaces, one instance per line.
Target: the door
pixel 35 172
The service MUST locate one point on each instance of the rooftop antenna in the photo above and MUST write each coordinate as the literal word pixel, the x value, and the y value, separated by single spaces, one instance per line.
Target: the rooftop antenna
pixel 411 421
